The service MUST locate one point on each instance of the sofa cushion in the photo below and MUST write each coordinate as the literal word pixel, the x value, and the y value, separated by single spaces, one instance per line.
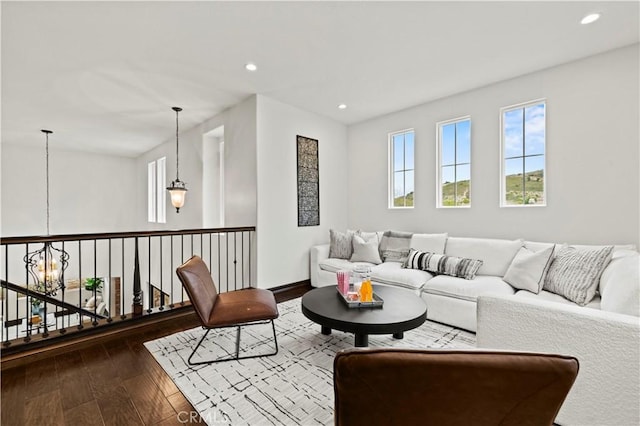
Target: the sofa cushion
pixel 366 251
pixel 340 245
pixel 552 297
pixel 443 264
pixel 528 268
pixel 335 265
pixel 575 274
pixel 467 289
pixel 393 273
pixel 433 243
pixel 394 246
pixel 496 255
pixel 620 284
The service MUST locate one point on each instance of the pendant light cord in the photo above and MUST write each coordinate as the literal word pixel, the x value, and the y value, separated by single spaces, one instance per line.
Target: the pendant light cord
pixel 177 153
pixel 47 178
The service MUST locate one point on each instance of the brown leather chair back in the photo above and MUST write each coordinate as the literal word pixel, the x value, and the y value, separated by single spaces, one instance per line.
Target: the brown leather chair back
pixel 449 387
pixel 197 281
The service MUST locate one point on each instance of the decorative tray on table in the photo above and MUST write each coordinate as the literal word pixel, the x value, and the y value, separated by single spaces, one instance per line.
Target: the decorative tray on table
pixel 352 300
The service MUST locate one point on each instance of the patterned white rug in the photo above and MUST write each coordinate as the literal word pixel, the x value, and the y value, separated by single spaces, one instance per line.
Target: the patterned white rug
pixel 294 387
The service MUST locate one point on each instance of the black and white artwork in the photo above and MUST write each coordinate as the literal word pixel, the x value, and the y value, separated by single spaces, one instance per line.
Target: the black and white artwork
pixel 308 182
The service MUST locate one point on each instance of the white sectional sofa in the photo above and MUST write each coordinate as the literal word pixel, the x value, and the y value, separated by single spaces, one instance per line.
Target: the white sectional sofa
pixel 453 300
pixel 604 334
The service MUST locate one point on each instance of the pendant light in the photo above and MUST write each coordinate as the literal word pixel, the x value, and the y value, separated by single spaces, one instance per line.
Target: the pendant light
pixel 46 266
pixel 178 189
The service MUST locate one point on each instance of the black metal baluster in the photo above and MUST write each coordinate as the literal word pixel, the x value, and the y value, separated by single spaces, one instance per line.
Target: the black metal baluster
pixel 218 235
pixel 182 251
pixel 80 305
pixel 149 289
pixel 161 308
pixel 235 261
pixel 250 235
pixel 226 262
pixel 5 295
pixel 109 317
pixel 122 314
pixel 242 269
pixel 95 284
pixel 171 305
pixel 27 302
pixel 136 308
pixel 62 330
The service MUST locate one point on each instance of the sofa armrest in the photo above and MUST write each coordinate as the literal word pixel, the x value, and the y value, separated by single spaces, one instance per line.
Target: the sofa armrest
pixel 606 344
pixel 317 254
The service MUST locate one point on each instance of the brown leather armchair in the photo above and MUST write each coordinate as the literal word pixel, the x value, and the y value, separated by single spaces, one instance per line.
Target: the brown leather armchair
pixel 233 309
pixel 449 387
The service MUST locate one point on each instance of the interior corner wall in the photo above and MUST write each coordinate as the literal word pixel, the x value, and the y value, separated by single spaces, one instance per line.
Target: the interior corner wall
pixel 283 246
pixel 592 154
pixel 240 175
pixel 87 191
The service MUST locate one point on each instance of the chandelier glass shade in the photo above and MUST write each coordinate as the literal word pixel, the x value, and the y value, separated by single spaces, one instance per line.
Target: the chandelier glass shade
pixel 46 266
pixel 178 188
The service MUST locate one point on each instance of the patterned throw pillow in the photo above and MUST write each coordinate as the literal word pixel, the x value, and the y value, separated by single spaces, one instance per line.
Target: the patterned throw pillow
pixel 340 245
pixel 575 274
pixel 443 264
pixel 394 246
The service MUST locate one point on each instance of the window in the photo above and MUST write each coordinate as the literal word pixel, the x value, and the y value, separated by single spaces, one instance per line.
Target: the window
pixel 156 191
pixel 523 155
pixel 454 163
pixel 401 149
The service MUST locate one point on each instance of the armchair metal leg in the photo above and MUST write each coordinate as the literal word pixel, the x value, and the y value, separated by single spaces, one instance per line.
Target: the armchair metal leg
pixel 237 354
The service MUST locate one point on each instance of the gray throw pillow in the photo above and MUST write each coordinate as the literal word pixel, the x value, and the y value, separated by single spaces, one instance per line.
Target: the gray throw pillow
pixel 575 274
pixel 394 246
pixel 340 245
pixel 365 251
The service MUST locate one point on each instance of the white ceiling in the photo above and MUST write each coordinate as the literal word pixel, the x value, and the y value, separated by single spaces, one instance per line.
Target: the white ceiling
pixel 103 75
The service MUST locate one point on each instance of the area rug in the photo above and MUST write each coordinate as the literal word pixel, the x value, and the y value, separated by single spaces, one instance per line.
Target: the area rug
pixel 294 387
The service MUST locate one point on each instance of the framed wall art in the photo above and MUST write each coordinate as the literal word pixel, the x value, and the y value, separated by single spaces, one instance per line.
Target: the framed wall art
pixel 308 182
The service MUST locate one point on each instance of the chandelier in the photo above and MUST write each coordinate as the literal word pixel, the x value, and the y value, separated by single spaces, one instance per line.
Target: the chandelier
pixel 178 189
pixel 46 266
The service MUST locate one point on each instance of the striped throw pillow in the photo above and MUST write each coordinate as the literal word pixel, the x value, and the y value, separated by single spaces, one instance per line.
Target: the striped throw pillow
pixel 442 264
pixel 575 274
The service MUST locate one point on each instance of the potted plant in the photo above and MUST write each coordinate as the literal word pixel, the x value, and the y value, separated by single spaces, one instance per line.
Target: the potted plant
pixel 92 284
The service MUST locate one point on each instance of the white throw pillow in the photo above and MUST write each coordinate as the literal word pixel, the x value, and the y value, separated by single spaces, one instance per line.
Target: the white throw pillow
pixel 432 243
pixel 575 274
pixel 365 251
pixel 528 268
pixel 620 285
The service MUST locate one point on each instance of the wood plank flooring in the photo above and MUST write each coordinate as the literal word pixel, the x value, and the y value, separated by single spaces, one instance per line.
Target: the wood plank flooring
pixel 115 382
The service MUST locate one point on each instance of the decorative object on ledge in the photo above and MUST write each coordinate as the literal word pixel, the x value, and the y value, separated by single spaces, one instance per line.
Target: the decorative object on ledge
pixel 178 189
pixel 308 182
pixel 46 266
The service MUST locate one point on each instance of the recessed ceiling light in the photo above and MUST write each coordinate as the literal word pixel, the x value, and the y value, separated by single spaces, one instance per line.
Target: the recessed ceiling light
pixel 251 66
pixel 592 17
pixel 342 106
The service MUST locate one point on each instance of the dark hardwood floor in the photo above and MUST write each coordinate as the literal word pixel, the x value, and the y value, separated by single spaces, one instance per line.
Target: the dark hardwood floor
pixel 111 382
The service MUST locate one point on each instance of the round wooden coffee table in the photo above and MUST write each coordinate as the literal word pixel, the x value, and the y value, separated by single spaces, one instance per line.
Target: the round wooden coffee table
pixel 403 310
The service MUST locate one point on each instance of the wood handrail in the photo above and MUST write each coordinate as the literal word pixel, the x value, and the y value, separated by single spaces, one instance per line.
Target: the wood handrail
pixel 116 235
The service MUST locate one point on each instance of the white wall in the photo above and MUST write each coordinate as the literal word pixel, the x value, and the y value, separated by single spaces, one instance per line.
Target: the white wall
pixel 283 247
pixel 87 191
pixel 592 158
